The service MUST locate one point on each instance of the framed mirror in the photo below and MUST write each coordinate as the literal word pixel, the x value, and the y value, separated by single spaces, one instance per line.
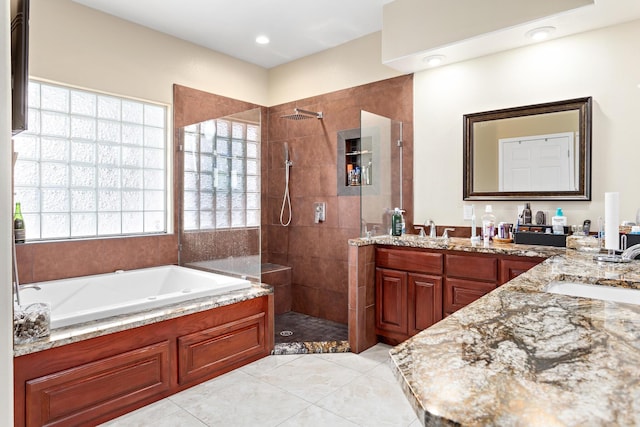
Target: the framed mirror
pixel 534 152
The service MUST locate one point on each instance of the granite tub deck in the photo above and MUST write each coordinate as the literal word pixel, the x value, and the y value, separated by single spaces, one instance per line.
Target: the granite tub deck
pixel 97 328
pixel 521 356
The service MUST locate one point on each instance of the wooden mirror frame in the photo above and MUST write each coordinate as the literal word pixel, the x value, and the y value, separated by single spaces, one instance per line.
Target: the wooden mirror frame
pixel 582 105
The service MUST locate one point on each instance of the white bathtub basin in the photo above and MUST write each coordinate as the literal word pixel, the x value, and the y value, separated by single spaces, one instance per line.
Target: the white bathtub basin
pixel 83 299
pixel 601 292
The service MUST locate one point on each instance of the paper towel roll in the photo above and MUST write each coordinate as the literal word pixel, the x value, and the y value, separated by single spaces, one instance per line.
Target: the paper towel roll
pixel 611 220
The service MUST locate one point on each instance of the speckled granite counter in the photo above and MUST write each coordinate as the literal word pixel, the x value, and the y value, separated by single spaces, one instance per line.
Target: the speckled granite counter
pixel 520 356
pixel 71 334
pixel 460 244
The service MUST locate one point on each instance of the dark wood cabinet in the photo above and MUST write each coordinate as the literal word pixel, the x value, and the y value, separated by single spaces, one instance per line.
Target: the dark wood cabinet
pixel 91 381
pixel 415 287
pixel 510 268
pixel 460 292
pixel 424 296
pixel 391 294
pixel 468 277
pixel 407 300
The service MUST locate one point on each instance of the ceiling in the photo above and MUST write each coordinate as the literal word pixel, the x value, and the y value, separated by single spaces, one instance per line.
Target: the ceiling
pixel 298 28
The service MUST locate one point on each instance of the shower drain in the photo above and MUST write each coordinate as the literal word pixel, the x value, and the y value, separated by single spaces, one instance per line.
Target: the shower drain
pixel 286 333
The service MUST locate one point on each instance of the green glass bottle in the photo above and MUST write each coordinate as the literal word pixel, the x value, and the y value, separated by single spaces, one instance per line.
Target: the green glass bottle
pixel 396 223
pixel 18 225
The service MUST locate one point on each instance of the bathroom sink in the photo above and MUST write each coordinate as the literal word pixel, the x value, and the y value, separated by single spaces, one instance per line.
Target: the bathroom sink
pixel 588 290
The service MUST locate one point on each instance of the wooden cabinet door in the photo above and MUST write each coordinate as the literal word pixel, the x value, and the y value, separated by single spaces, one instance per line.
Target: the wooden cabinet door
pixel 83 394
pixel 474 267
pixel 424 301
pixel 458 293
pixel 391 301
pixel 511 268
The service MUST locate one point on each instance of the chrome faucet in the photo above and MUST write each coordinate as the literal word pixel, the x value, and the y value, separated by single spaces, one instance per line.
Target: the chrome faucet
pixel 432 230
pixel 631 252
pixel 445 234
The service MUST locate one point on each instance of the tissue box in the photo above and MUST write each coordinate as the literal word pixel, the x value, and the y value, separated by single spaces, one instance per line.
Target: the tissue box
pixel 544 239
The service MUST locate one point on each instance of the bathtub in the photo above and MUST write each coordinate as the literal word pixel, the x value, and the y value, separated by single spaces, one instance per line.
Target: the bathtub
pixel 87 298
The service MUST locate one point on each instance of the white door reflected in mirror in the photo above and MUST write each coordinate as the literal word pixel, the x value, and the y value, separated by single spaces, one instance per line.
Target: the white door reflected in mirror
pixel 537 163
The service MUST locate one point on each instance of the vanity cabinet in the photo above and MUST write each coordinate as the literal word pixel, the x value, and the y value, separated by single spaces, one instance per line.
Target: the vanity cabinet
pixel 511 268
pixel 468 277
pixel 91 381
pixel 408 292
pixel 415 287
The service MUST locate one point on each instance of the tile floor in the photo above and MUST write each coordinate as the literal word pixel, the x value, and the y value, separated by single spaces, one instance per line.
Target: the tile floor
pixel 327 389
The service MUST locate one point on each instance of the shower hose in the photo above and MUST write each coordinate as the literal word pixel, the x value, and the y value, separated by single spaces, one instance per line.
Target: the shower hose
pixel 286 200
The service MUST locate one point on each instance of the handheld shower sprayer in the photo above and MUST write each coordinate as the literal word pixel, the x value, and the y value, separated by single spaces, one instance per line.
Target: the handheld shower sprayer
pixel 286 199
pixel 286 155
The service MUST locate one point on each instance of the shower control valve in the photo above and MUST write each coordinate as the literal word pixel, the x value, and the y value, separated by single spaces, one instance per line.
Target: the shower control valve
pixel 319 209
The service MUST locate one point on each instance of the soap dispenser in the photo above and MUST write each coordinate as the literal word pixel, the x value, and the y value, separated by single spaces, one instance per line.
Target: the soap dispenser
pixel 558 222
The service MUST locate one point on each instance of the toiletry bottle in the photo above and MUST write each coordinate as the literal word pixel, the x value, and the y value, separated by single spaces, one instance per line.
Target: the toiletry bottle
pixel 474 237
pixel 488 224
pixel 18 225
pixel 526 214
pixel 396 222
pixel 558 222
pixel 404 225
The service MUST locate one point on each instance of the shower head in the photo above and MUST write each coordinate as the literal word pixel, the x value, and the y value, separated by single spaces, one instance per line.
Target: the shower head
pixel 286 152
pixel 299 114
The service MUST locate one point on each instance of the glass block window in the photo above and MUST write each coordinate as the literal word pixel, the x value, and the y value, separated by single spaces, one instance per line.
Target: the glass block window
pixel 221 175
pixel 91 165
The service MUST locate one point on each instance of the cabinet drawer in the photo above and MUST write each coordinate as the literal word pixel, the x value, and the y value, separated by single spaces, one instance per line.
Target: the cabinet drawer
pixel 205 353
pixel 511 268
pixel 472 267
pixel 413 260
pixel 79 395
pixel 458 293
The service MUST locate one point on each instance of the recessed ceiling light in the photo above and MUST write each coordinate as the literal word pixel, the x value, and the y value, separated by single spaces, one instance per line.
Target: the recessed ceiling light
pixel 433 60
pixel 262 39
pixel 541 33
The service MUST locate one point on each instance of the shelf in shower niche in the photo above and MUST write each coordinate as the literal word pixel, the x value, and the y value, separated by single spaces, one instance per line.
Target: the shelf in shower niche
pixel 357 153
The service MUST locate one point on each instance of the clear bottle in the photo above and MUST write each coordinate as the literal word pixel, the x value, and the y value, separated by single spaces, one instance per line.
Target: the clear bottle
pixel 488 224
pixel 396 222
pixel 558 222
pixel 19 230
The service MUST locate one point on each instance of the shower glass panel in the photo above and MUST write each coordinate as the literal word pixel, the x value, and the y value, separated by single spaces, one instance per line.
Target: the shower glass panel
pixel 381 152
pixel 220 203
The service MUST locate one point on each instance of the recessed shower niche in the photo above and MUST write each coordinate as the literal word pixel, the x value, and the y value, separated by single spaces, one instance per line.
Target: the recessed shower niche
pixel 357 162
pixel 370 166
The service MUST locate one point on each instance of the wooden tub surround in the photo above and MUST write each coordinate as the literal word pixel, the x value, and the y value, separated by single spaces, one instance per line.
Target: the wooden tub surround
pixel 90 381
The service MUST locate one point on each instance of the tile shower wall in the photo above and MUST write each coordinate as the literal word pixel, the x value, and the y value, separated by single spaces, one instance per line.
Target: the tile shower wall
pixel 318 253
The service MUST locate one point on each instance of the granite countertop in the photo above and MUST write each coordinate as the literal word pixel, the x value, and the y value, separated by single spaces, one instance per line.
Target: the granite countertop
pixel 521 356
pixel 460 244
pixel 96 328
